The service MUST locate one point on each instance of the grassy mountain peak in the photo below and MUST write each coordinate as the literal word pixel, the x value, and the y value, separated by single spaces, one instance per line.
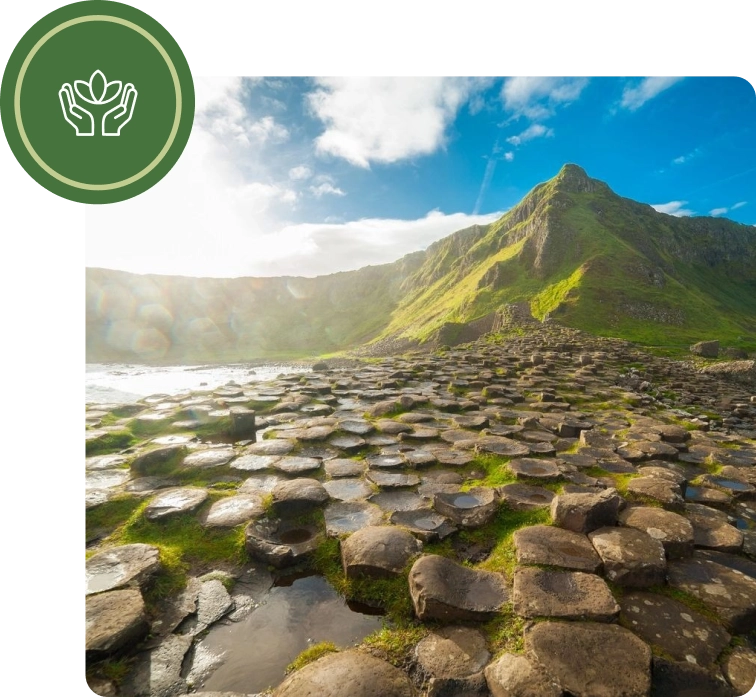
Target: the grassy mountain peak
pixel 572 249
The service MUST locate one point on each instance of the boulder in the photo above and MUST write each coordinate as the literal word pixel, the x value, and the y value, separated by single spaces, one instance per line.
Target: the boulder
pixel 585 512
pixel 114 620
pixel 343 517
pixel 706 349
pixel 740 669
pixel 453 659
pixel 672 530
pixel 631 557
pixel 523 497
pixel 172 502
pixel 207 459
pixel 157 672
pixel 233 510
pixel 513 675
pixel 155 461
pixel 347 674
pixel 298 496
pixel 469 509
pixel 443 590
pixel 712 530
pixel 378 552
pixel 127 565
pixel 281 543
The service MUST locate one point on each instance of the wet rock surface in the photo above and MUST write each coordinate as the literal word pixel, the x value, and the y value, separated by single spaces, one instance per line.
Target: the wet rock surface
pixel 470 452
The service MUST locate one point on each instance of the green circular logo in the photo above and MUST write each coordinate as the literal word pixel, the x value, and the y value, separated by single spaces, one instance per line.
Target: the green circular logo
pixel 97 102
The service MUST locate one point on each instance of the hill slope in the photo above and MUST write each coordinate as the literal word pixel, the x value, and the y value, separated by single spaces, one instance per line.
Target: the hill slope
pixel 572 249
pixel 577 251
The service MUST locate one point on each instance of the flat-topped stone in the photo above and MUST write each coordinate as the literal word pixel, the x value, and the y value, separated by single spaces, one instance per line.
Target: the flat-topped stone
pixel 685 678
pixel 344 517
pixel 497 445
pixel 443 590
pixel 392 480
pixel 731 594
pixel 631 557
pixel 680 632
pixel 378 552
pixel 155 460
pixel 273 446
pixel 205 459
pixel 114 620
pixel 254 463
pixel 348 489
pixel 234 510
pixel 126 565
pixel 342 467
pixel 297 465
pixel 666 492
pixel 298 496
pixel 469 509
pixel 672 530
pixel 585 512
pixel 524 497
pixel 740 669
pixel 564 594
pixel 551 546
pixel 592 659
pixel 450 656
pixel 424 523
pixel 399 500
pixel 173 502
pixel 532 468
pixel 712 530
pixel 260 484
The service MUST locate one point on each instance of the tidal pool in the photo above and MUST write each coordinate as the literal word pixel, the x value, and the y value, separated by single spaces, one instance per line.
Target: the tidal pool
pixel 298 612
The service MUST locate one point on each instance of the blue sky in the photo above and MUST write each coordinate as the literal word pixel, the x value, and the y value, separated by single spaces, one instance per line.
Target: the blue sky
pixel 302 176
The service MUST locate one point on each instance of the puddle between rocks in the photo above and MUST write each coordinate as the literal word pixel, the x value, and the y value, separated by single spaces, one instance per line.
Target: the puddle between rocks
pixel 298 612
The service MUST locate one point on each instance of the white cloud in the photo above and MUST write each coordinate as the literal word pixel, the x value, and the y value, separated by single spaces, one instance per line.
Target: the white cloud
pixel 387 119
pixel 215 203
pixel 509 156
pixel 687 157
pixel 300 172
pixel 535 130
pixel 676 208
pixel 634 97
pixel 220 111
pixel 537 97
pixel 739 204
pixel 718 211
pixel 327 248
pixel 326 188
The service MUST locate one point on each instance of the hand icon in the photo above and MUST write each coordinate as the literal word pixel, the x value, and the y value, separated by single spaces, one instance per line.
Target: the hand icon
pixel 79 118
pixel 115 119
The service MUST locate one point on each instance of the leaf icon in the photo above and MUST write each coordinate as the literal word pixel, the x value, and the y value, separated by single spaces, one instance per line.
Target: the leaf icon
pixel 82 89
pixel 97 86
pixel 112 90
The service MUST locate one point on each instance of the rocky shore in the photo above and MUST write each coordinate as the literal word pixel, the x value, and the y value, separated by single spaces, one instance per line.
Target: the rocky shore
pixel 541 513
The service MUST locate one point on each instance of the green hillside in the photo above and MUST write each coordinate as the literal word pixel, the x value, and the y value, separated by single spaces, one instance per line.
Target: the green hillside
pixel 572 249
pixel 576 251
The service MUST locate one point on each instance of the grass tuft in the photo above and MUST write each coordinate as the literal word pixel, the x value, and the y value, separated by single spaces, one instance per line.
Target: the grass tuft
pixel 311 654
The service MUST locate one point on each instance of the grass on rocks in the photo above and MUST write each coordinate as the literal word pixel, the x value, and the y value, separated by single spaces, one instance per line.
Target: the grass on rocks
pixel 396 643
pixel 106 517
pixel 311 654
pixel 184 544
pixel 110 442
